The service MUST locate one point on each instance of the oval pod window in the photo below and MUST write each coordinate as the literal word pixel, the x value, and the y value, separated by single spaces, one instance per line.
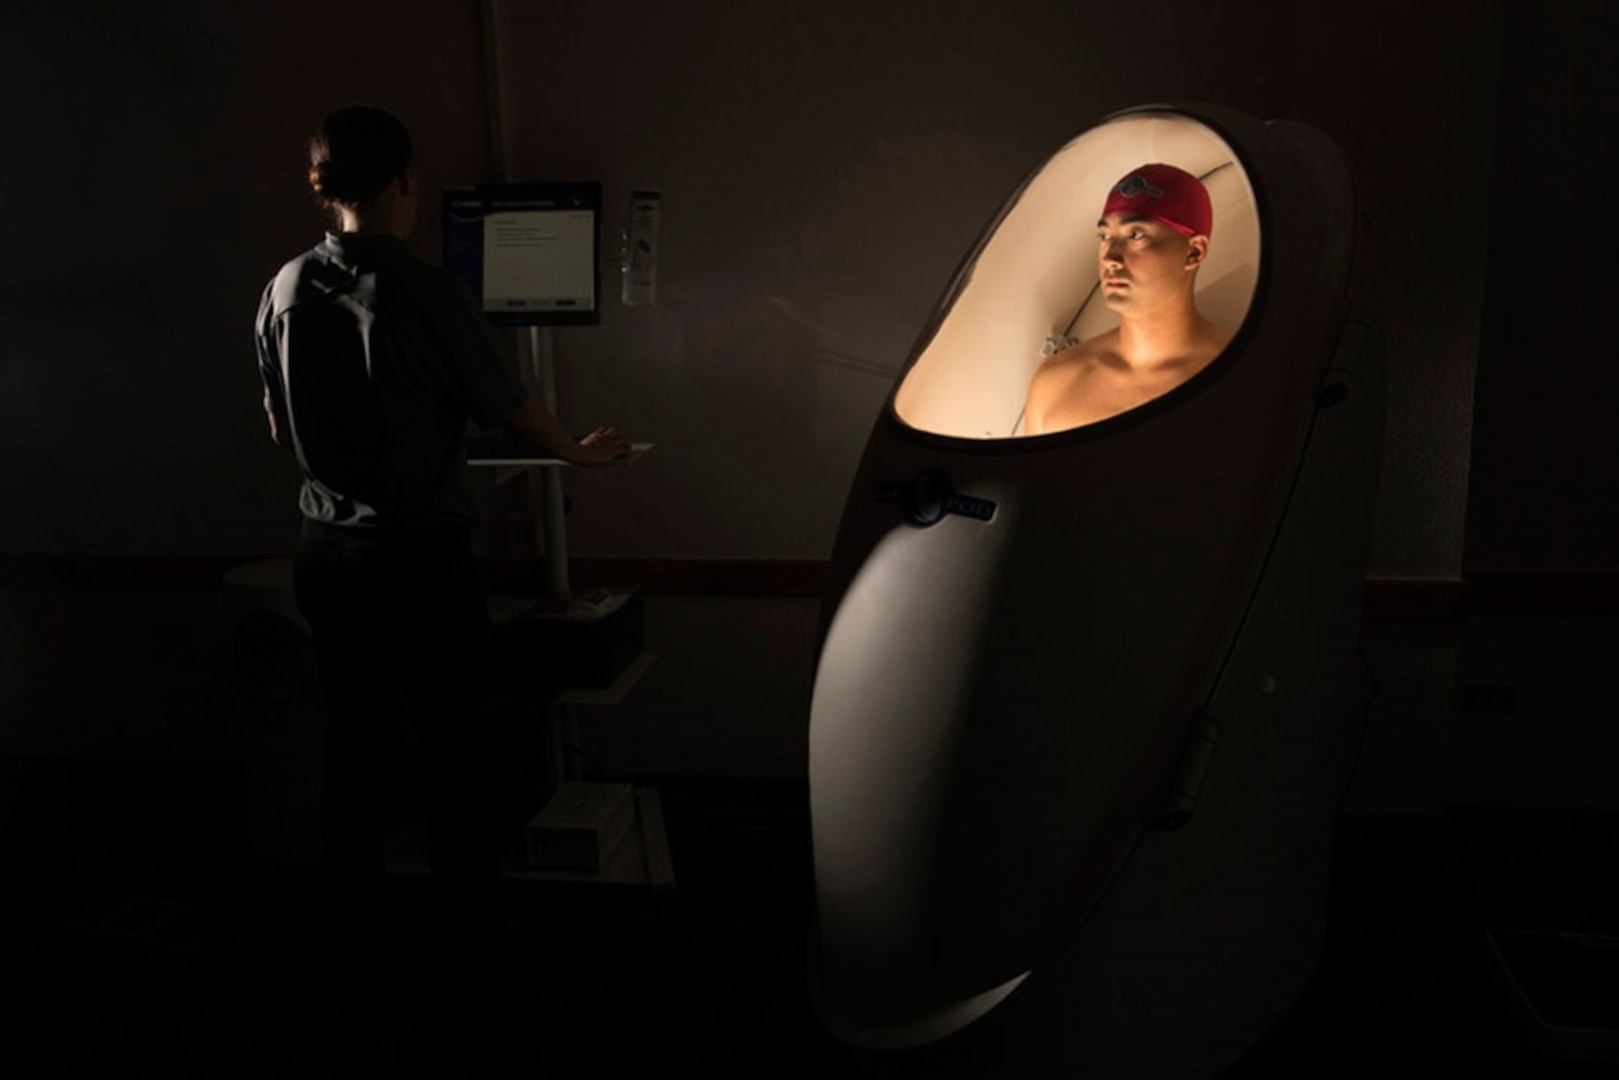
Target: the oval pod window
pixel 1034 278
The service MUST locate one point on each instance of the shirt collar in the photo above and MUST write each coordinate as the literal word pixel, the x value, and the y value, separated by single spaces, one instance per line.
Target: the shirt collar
pixel 349 247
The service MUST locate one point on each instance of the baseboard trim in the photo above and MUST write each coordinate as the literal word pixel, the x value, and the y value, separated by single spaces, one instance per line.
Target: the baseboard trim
pixel 1391 599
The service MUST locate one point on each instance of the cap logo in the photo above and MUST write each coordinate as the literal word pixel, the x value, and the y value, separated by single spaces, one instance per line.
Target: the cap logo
pixel 1131 187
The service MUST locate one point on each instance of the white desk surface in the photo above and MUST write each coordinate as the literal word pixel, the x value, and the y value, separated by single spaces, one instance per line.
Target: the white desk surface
pixel 637 451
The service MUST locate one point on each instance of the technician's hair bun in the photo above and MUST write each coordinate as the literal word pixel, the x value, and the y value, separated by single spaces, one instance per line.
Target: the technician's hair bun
pixel 332 183
pixel 356 152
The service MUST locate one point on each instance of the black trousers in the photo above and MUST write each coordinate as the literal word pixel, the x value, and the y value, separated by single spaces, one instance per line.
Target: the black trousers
pixel 400 628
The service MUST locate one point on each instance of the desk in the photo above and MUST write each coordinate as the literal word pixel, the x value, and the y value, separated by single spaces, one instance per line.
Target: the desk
pixel 558 715
pixel 641 858
pixel 511 459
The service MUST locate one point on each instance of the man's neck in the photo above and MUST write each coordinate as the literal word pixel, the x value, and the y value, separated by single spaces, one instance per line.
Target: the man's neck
pixel 368 225
pixel 1167 336
pixel 381 215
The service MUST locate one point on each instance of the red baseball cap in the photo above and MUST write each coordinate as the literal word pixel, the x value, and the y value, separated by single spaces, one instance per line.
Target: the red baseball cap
pixel 1163 193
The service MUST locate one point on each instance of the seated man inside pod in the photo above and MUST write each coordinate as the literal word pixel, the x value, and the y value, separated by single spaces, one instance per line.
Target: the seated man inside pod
pixel 1154 234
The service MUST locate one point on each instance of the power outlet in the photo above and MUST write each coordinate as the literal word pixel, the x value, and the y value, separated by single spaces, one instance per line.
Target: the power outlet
pixel 1480 698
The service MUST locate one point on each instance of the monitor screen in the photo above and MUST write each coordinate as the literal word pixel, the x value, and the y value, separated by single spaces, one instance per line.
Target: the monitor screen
pixel 530 252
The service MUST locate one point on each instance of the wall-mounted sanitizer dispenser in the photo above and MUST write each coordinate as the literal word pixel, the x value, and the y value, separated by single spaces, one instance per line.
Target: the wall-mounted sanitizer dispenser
pixel 1085 701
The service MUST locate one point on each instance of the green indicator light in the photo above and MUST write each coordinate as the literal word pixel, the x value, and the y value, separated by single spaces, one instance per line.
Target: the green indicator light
pixel 1267 685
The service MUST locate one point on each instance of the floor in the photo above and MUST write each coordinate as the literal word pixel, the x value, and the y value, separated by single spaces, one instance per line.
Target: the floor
pixel 138 938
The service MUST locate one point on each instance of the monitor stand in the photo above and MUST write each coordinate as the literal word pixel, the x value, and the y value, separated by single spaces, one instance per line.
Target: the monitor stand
pixel 539 367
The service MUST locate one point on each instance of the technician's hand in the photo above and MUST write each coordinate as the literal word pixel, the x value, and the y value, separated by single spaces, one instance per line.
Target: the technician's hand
pixel 601 447
pixel 536 425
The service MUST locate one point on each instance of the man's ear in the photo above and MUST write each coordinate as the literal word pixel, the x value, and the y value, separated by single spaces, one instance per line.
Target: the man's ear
pixel 1197 249
pixel 407 180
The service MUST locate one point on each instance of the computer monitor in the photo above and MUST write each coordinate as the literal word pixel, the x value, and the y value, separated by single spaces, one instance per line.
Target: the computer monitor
pixel 530 252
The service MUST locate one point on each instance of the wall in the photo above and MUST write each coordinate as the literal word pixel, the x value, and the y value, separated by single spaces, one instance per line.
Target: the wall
pixel 153 184
pixel 1410 93
pixel 824 168
pixel 1546 459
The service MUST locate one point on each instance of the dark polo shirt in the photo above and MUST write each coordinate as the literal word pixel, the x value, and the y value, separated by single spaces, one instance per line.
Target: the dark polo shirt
pixel 374 360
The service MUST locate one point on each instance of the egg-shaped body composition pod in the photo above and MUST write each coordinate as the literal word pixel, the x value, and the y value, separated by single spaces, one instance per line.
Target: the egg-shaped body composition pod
pixel 1080 720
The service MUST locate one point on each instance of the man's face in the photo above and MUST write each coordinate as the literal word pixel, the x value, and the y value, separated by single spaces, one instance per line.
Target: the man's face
pixel 1143 263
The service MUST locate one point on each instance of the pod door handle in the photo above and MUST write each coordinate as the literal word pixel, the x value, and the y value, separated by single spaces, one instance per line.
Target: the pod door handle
pixel 929 498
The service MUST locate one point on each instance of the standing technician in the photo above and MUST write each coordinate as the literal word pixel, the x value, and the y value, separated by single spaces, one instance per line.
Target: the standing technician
pixel 372 362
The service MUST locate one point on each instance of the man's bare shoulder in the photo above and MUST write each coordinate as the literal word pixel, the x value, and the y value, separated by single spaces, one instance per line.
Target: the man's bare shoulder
pixel 1062 377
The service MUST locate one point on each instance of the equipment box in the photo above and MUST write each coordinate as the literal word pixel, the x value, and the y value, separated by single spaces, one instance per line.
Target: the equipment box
pixel 581 826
